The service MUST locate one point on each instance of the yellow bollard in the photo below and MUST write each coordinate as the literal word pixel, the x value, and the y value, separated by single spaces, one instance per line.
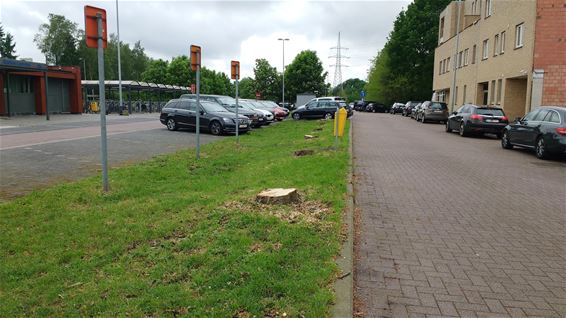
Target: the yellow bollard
pixel 342 115
pixel 94 107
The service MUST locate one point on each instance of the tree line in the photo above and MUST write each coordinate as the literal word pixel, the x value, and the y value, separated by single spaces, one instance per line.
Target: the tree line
pixel 403 69
pixel 63 43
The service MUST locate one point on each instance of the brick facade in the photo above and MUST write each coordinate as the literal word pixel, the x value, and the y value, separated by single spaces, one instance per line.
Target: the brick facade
pixel 550 50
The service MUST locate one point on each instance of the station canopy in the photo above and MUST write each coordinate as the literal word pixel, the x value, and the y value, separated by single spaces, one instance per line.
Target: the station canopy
pixel 135 85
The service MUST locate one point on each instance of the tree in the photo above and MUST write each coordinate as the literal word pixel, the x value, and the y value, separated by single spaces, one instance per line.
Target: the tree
pixel 247 88
pixel 7 45
pixel 179 71
pixel 213 82
pixel 156 72
pixel 305 74
pixel 351 89
pixel 266 80
pixel 58 40
pixel 404 68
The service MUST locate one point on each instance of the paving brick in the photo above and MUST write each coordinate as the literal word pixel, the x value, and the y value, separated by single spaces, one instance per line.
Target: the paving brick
pixel 445 227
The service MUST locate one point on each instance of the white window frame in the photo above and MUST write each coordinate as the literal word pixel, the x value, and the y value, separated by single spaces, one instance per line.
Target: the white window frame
pixel 474 53
pixel 488 8
pixel 502 41
pixel 460 59
pixel 519 35
pixel 448 65
pixel 485 52
pixel 466 53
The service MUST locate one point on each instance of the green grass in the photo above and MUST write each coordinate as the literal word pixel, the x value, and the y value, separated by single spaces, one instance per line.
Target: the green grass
pixel 169 240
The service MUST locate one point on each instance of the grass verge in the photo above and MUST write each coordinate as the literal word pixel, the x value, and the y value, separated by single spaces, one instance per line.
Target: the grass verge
pixel 180 237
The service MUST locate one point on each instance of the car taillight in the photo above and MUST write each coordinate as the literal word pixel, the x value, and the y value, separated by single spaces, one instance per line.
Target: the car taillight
pixel 561 130
pixel 504 118
pixel 475 117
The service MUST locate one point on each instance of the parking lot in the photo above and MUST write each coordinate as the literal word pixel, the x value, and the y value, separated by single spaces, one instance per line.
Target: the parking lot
pixel 36 153
pixel 453 226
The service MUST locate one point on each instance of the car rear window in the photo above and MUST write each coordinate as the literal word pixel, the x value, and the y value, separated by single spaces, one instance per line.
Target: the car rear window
pixel 342 104
pixel 441 106
pixel 490 111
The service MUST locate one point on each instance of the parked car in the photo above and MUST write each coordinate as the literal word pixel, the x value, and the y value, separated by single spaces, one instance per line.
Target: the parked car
pixel 471 118
pixel 257 117
pixel 416 111
pixel 397 108
pixel 409 106
pixel 360 105
pixel 320 109
pixel 279 113
pixel 375 107
pixel 230 104
pixel 269 118
pixel 287 105
pixel 181 113
pixel 432 111
pixel 543 130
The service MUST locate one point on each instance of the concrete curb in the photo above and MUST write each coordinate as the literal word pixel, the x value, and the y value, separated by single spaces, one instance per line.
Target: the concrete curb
pixel 344 284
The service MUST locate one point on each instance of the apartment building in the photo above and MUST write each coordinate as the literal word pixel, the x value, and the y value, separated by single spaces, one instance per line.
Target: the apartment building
pixel 511 54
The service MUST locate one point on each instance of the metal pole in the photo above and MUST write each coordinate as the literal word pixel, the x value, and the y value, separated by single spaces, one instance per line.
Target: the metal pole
pixel 119 62
pixel 46 97
pixel 237 117
pixel 103 141
pixel 283 93
pixel 198 107
pixel 336 116
pixel 455 62
pixel 85 102
pixel 8 87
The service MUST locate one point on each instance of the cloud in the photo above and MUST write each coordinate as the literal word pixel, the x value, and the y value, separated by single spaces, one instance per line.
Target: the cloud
pixel 227 30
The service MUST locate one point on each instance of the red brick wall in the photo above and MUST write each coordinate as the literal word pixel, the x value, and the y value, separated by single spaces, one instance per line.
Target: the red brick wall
pixel 550 50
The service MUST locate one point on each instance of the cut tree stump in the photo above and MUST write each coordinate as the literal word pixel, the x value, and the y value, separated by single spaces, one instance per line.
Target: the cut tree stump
pixel 310 137
pixel 304 152
pixel 278 196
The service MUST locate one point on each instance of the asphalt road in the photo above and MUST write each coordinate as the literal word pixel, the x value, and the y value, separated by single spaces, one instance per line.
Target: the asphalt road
pixel 455 227
pixel 34 155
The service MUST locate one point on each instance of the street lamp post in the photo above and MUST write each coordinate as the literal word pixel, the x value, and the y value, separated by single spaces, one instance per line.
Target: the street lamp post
pixel 119 62
pixel 283 89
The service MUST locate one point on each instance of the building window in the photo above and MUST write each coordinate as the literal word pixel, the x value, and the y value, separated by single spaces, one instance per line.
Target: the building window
pixel 474 4
pixel 499 88
pixel 488 8
pixel 502 43
pixel 474 54
pixel 519 34
pixel 496 45
pixel 456 96
pixel 492 99
pixel 460 60
pixel 448 65
pixel 485 49
pixel 441 28
pixel 466 53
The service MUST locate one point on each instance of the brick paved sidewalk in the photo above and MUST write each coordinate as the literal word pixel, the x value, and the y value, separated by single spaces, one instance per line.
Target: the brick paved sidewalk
pixel 455 227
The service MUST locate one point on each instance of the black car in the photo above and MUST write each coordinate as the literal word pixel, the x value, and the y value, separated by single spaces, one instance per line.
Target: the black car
pixel 397 108
pixel 229 103
pixel 181 113
pixel 375 107
pixel 543 130
pixel 415 111
pixel 320 109
pixel 360 105
pixel 408 109
pixel 471 118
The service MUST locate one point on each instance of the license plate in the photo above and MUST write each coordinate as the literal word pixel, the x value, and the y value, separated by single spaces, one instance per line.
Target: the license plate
pixel 491 121
pixel 243 126
pixel 438 111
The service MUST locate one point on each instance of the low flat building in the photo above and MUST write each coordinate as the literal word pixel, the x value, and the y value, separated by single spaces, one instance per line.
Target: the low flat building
pixel 511 54
pixel 23 90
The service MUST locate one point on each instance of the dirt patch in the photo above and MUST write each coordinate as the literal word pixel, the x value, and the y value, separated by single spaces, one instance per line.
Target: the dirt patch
pixel 313 212
pixel 304 152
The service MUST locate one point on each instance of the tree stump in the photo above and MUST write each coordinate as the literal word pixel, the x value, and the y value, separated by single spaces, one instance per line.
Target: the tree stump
pixel 278 196
pixel 310 137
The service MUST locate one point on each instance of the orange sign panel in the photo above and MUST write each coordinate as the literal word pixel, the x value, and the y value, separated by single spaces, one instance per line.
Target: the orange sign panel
pixel 91 26
pixel 235 70
pixel 195 57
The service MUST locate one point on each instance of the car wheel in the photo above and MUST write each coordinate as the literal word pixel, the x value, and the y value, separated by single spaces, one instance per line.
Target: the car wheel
pixel 462 130
pixel 215 128
pixel 505 143
pixel 448 129
pixel 328 116
pixel 171 124
pixel 423 119
pixel 296 116
pixel 540 149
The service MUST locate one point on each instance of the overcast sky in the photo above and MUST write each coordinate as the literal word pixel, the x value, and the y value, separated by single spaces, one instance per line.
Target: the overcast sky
pixel 227 30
